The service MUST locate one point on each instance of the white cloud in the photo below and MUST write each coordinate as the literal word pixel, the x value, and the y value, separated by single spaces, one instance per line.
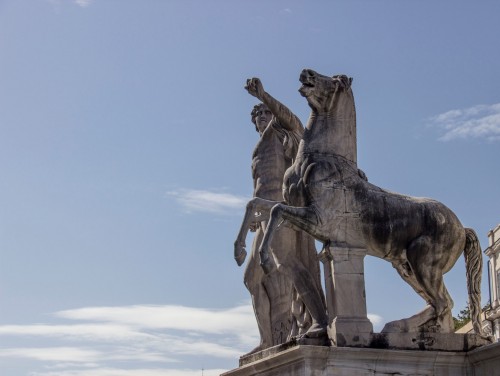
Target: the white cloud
pixel 376 320
pixel 94 332
pixel 482 121
pixel 109 336
pixel 239 319
pixel 132 372
pixel 83 3
pixel 104 338
pixel 54 354
pixel 206 201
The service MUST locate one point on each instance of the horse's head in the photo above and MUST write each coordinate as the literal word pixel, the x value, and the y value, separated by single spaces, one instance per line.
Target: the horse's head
pixel 321 91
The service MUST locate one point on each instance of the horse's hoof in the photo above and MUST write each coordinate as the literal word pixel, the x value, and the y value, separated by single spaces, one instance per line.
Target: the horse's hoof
pixel 240 257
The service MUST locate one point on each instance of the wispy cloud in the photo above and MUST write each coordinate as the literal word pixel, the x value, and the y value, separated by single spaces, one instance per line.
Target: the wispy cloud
pixel 207 201
pixel 168 316
pixel 481 122
pixel 58 4
pixel 106 332
pixel 102 338
pixel 132 372
pixel 83 3
pixel 54 354
pixel 105 341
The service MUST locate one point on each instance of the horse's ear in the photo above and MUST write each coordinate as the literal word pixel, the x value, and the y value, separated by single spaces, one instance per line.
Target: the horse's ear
pixel 345 81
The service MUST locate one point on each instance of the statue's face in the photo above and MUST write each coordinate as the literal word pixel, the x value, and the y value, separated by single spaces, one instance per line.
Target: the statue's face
pixel 264 116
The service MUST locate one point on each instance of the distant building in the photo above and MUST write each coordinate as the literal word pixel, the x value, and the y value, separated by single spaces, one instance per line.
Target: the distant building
pixel 491 315
pixel 493 252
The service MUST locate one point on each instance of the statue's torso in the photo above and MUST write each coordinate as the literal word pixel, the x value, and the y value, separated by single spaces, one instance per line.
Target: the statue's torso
pixel 270 160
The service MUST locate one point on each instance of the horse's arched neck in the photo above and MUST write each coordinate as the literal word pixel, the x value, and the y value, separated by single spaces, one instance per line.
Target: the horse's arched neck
pixel 331 132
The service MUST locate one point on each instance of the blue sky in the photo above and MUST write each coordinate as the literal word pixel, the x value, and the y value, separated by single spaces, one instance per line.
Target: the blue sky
pixel 125 158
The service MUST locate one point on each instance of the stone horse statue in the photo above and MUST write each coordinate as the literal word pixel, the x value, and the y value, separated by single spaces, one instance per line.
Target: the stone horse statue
pixel 327 196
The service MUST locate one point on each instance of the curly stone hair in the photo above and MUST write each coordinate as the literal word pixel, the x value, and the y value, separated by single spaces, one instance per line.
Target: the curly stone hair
pixel 255 111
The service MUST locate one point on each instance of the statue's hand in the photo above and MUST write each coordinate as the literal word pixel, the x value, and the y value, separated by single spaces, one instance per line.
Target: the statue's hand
pixel 255 88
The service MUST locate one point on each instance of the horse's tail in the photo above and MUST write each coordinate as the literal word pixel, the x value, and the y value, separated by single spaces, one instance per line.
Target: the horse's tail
pixel 474 267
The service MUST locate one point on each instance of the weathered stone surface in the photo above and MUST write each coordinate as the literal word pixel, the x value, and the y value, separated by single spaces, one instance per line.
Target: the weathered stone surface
pixel 281 307
pixel 348 324
pixel 327 196
pixel 428 341
pixel 273 351
pixel 344 361
pixel 485 360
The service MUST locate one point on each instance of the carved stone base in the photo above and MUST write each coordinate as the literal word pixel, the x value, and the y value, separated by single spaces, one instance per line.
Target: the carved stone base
pixel 272 351
pixel 350 332
pixel 301 360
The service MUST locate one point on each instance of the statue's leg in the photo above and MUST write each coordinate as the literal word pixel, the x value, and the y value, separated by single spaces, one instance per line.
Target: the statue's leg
pixel 307 290
pixel 254 281
pixel 257 210
pixel 290 265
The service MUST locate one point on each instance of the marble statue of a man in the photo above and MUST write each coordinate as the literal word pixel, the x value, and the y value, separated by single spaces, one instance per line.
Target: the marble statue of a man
pixel 279 309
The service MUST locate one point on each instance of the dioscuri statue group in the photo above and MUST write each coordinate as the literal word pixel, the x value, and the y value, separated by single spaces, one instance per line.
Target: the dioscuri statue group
pixel 307 186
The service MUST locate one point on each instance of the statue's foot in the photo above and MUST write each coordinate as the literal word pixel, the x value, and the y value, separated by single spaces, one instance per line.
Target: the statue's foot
pixel 315 331
pixel 240 256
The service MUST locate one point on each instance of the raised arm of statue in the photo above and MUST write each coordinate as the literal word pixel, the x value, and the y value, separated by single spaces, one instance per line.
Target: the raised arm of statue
pixel 285 117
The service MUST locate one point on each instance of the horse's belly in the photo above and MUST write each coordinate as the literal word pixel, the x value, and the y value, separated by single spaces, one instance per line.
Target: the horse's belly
pixel 391 222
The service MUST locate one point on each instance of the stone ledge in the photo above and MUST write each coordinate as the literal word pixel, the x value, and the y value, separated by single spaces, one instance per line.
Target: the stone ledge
pixel 271 351
pixel 454 342
pixel 303 360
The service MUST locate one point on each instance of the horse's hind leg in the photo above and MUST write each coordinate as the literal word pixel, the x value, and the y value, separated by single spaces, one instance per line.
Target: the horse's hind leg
pixel 428 258
pixel 421 270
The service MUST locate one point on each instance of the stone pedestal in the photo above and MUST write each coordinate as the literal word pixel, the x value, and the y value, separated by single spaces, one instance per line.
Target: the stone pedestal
pixel 302 360
pixel 345 296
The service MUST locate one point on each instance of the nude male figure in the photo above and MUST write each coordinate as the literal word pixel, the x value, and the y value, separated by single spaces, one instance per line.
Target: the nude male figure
pixel 274 296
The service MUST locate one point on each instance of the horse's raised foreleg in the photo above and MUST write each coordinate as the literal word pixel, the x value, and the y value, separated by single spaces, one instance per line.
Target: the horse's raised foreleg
pixel 257 210
pixel 304 218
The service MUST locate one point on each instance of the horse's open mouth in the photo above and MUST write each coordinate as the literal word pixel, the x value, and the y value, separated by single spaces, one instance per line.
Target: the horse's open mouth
pixel 306 88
